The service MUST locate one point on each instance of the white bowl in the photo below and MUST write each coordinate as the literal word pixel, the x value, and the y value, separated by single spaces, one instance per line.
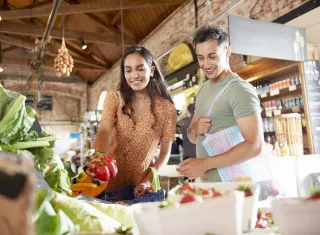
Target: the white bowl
pixel 221 215
pixel 296 216
pixel 250 206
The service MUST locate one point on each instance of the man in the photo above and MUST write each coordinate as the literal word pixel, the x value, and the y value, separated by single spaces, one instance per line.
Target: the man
pixel 238 106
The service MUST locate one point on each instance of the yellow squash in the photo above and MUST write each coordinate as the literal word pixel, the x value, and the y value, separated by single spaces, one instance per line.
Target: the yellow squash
pixel 82 186
pixel 96 191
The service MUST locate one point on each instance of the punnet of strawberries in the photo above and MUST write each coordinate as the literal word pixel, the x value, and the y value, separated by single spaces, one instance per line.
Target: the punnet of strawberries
pixel 314 194
pixel 247 191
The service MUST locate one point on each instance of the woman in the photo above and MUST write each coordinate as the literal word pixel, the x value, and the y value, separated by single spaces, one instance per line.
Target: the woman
pixel 135 120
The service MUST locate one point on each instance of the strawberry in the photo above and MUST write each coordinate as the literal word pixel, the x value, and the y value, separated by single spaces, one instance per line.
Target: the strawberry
pixel 188 187
pixel 246 190
pixel 188 198
pixel 206 192
pixel 314 194
pixel 217 194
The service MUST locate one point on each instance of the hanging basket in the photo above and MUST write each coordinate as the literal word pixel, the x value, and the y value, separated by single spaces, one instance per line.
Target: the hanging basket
pixel 63 63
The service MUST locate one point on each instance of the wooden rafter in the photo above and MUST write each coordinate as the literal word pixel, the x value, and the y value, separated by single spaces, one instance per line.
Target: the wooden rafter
pixel 85 8
pixel 71 79
pixel 48 62
pixel 37 31
pixel 116 18
pixel 72 43
pixel 10 48
pixel 106 26
pixel 51 50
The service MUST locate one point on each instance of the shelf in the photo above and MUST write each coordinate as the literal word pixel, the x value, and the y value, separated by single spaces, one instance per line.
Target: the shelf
pixel 285 91
pixel 294 109
pixel 304 129
pixel 276 72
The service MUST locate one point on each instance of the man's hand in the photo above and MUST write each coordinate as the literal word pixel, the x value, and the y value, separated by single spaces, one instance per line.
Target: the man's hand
pixel 192 167
pixel 201 126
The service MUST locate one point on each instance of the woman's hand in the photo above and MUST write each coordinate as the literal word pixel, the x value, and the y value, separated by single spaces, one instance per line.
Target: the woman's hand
pixel 142 188
pixel 90 170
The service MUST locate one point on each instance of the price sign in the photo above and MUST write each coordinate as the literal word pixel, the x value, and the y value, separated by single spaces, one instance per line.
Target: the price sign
pixel 268 113
pixel 295 109
pixel 277 112
pixel 263 95
pixel 274 92
pixel 292 88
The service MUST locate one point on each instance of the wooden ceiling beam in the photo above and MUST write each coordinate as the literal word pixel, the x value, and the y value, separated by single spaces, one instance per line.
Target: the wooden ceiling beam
pixel 70 79
pixel 116 18
pixel 73 53
pixel 49 51
pixel 48 62
pixel 85 8
pixel 106 25
pixel 37 31
pixel 8 49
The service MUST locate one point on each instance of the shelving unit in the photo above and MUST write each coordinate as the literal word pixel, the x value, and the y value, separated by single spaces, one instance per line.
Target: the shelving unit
pixel 88 129
pixel 277 101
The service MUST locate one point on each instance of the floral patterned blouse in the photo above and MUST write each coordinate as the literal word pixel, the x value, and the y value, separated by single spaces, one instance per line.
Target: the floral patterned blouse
pixel 134 145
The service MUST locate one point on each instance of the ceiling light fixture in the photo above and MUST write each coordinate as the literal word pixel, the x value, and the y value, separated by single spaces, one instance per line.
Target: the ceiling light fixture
pixel 83 45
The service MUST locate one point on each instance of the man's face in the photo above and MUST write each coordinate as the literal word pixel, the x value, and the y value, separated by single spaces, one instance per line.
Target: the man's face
pixel 213 58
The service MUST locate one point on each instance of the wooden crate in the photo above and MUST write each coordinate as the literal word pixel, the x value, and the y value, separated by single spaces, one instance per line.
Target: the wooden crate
pixel 288 129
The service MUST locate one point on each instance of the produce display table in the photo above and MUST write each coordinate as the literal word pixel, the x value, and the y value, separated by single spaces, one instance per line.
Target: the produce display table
pixel 169 171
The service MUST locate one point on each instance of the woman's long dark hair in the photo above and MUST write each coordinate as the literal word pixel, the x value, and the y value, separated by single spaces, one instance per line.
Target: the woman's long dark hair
pixel 156 86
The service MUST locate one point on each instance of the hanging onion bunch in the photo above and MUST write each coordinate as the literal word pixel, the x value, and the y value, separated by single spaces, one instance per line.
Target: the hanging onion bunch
pixel 63 63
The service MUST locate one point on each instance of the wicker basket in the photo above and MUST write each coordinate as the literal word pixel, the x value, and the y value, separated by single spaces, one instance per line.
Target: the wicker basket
pixel 288 129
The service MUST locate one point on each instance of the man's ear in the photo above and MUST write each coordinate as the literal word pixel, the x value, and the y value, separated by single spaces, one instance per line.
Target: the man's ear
pixel 228 51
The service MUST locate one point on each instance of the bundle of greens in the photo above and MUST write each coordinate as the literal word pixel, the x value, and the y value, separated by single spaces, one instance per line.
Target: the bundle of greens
pixel 15 136
pixel 57 214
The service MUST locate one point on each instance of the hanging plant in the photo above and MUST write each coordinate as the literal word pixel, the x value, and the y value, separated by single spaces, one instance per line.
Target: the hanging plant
pixel 63 63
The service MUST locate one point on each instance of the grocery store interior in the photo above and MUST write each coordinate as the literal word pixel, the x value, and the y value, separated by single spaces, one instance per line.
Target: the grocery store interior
pixel 62 60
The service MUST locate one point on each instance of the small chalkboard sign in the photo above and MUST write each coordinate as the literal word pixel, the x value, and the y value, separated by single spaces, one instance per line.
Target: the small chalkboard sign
pixel 45 103
pixel 29 100
pixel 312 83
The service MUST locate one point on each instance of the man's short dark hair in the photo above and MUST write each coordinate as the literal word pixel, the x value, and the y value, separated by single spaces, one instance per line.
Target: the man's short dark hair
pixel 209 32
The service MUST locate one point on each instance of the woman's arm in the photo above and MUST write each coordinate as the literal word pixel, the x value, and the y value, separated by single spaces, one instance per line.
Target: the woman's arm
pixel 162 160
pixel 103 137
pixel 108 118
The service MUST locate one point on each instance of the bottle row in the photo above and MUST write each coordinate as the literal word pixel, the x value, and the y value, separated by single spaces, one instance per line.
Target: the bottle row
pixel 266 86
pixel 279 104
pixel 190 81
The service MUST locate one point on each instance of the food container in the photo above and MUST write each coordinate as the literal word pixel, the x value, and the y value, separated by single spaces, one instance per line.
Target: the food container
pixel 221 215
pixel 250 207
pixel 296 216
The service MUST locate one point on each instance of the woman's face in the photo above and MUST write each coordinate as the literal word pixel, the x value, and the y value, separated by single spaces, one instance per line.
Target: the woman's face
pixel 137 72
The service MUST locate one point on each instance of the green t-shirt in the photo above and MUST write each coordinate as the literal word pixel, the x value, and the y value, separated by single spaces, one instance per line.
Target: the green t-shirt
pixel 239 100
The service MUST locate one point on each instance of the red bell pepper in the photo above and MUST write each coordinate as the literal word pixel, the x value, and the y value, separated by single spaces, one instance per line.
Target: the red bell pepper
pixel 110 162
pixel 105 168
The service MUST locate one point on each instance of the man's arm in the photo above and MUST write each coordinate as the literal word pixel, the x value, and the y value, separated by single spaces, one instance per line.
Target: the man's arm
pixel 251 130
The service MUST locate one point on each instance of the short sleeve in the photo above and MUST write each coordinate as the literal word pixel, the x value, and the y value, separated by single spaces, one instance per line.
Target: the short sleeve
pixel 170 124
pixel 244 100
pixel 110 106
